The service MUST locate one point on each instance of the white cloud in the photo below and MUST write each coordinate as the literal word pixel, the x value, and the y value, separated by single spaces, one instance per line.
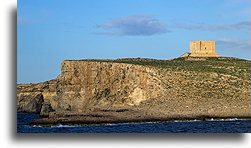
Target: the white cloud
pixel 234 43
pixel 135 25
pixel 230 26
pixel 147 25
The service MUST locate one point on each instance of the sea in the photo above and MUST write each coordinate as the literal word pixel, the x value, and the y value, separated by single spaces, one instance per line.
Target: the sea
pixel 211 126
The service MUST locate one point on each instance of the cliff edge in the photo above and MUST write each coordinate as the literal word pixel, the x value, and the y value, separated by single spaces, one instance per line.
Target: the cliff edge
pixel 95 91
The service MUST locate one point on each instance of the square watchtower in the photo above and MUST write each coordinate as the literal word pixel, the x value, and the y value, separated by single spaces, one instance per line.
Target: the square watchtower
pixel 203 49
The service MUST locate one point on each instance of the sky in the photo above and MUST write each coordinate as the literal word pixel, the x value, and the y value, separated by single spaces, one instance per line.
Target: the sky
pixel 49 31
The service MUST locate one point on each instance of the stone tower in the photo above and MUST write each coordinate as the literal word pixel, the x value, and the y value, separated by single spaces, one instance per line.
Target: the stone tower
pixel 203 49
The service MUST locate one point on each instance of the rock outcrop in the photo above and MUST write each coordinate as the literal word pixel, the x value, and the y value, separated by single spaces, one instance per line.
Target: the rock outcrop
pixel 31 103
pixel 124 90
pixel 31 98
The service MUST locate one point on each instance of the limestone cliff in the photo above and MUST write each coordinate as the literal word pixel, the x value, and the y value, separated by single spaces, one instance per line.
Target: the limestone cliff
pixel 84 85
pixel 139 89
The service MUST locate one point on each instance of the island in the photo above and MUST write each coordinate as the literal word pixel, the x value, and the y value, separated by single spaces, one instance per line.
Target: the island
pixel 103 91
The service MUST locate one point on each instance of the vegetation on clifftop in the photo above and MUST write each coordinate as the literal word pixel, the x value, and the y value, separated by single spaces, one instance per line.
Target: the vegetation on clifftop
pixel 221 65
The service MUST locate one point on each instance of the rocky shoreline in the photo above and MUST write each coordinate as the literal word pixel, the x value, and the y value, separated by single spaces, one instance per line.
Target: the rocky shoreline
pixel 94 91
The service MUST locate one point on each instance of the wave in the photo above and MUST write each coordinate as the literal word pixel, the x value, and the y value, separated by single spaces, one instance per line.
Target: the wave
pixel 212 119
pixel 36 126
pixel 60 126
pixel 233 119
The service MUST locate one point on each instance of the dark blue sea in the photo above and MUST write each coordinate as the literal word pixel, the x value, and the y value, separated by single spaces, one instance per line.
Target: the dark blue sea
pixel 226 126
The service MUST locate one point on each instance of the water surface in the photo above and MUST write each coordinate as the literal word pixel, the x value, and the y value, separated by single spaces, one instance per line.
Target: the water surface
pixel 226 126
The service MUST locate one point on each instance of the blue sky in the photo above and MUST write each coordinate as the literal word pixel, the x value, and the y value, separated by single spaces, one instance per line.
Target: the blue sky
pixel 49 31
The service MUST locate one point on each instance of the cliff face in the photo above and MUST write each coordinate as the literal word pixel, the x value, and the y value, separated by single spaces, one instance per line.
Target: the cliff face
pixel 143 88
pixel 85 85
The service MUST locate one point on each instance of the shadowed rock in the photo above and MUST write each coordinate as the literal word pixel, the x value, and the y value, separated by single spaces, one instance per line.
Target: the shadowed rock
pixel 33 106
